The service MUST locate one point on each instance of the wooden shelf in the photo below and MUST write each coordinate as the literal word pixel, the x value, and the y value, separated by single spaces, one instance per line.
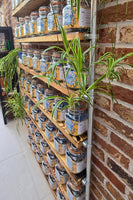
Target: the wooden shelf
pixel 76 140
pixel 77 178
pixel 51 38
pixel 58 87
pixel 27 6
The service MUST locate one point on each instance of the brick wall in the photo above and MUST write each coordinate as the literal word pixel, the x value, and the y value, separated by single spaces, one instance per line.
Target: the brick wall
pixel 112 152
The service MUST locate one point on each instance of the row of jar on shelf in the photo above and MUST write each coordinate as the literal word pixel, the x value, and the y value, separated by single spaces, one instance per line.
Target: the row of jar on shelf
pixel 41 61
pixel 50 19
pixel 45 156
pixel 75 119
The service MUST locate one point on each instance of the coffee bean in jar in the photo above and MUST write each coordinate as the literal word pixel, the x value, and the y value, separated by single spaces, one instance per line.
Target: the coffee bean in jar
pixel 75 159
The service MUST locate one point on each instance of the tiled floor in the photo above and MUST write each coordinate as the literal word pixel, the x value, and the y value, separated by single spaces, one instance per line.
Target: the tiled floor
pixel 20 175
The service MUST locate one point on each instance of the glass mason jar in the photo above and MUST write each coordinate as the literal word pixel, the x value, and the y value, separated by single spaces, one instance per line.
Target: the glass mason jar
pixel 50 130
pixel 39 91
pixel 29 106
pixel 17 30
pixel 29 58
pixel 35 112
pixel 70 20
pixel 41 121
pixel 51 158
pixel 44 146
pixel 59 71
pixel 76 120
pixel 22 81
pixel 61 173
pixel 33 23
pixel 13 4
pixel 42 20
pixel 52 181
pixel 29 139
pixel 21 27
pixel 48 104
pixel 59 194
pixel 45 62
pixel 39 156
pixel 28 83
pixel 75 159
pixel 24 57
pixel 27 26
pixel 59 113
pixel 25 101
pixel 36 60
pixel 33 88
pixel 37 136
pixel 54 17
pixel 27 120
pixel 33 146
pixel 45 167
pixel 60 143
pixel 32 128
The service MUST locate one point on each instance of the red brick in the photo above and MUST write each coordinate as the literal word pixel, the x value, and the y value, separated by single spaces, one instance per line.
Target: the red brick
pixel 98 152
pixel 126 35
pixel 114 192
pixel 130 196
pixel 109 175
pixel 97 173
pixel 111 14
pixel 99 127
pixel 119 157
pixel 101 188
pixel 95 191
pixel 102 102
pixel 124 112
pixel 107 35
pixel 126 76
pixel 92 197
pixel 114 123
pixel 122 144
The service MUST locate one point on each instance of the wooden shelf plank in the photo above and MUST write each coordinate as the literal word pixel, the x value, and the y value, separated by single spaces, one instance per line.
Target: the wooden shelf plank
pixel 77 141
pixel 77 178
pixel 52 38
pixel 27 6
pixel 58 87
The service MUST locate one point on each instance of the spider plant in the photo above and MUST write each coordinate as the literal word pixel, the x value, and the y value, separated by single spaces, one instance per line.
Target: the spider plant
pixel 8 69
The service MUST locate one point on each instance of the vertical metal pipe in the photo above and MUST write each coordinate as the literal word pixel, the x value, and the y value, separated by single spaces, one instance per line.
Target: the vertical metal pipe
pixel 90 109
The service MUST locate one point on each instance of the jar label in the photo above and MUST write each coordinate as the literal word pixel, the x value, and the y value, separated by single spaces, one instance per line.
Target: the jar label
pixel 26 29
pixel 72 197
pixel 21 31
pixel 60 148
pixel 33 28
pixel 41 25
pixel 61 178
pixel 54 23
pixel 43 67
pixel 67 15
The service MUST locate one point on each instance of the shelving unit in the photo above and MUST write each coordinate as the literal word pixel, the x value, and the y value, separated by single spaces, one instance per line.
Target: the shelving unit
pixel 22 10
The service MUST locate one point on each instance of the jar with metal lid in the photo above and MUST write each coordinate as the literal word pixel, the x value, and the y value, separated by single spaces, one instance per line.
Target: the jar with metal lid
pixel 27 120
pixel 70 19
pixel 27 26
pixel 21 27
pixel 45 167
pixel 41 121
pixel 76 159
pixel 48 103
pixel 33 23
pixel 32 128
pixel 35 112
pixel 59 194
pixel 59 70
pixel 52 181
pixel 60 143
pixel 51 158
pixel 22 81
pixel 28 83
pixel 42 20
pixel 29 105
pixel 29 139
pixel 29 58
pixel 17 30
pixel 24 57
pixel 39 91
pixel 59 113
pixel 33 88
pixel 45 62
pixel 38 136
pixel 36 60
pixel 50 130
pixel 13 4
pixel 44 146
pixel 33 146
pixel 61 174
pixel 76 121
pixel 54 17
pixel 25 101
pixel 39 156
